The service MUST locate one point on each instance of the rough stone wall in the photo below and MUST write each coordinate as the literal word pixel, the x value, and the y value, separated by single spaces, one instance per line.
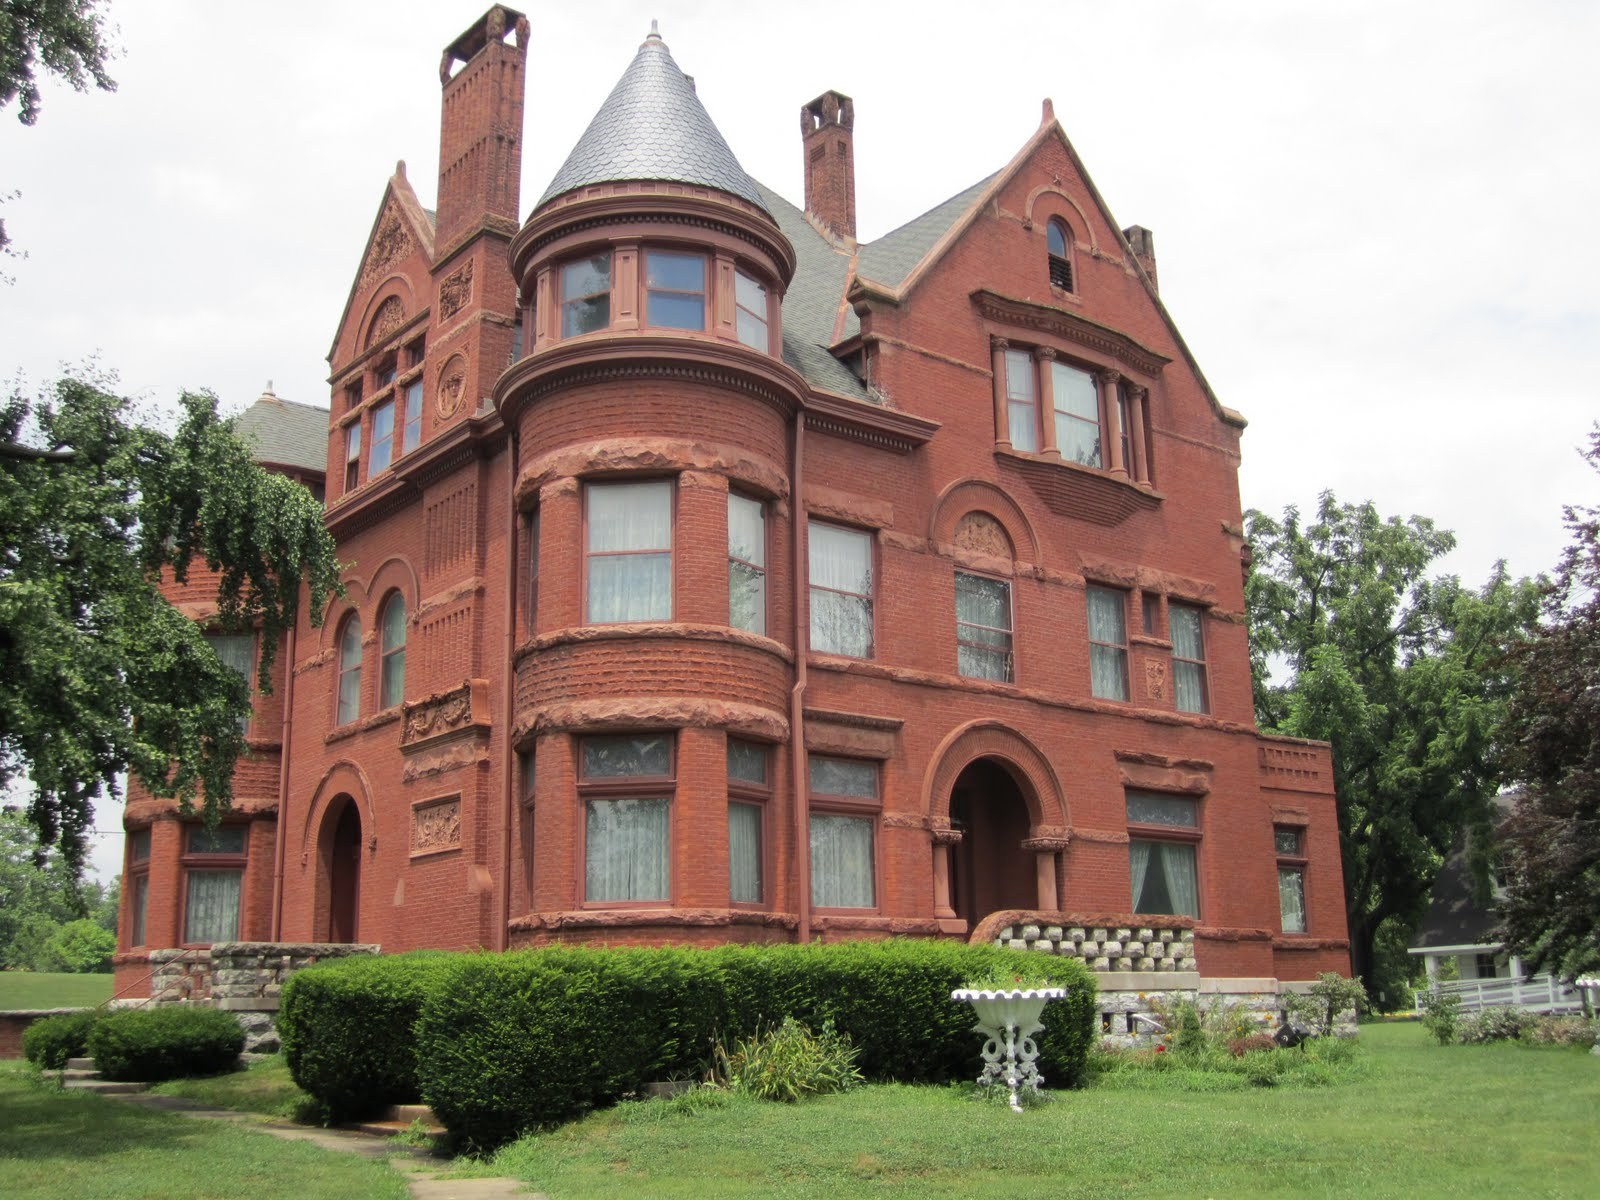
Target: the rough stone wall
pixel 1108 948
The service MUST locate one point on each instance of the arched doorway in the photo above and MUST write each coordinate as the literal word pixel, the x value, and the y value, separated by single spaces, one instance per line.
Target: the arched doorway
pixel 339 852
pixel 990 870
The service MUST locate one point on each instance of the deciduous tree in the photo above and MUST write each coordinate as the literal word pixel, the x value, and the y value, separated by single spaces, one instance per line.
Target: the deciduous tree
pixel 1354 643
pixel 1552 902
pixel 99 674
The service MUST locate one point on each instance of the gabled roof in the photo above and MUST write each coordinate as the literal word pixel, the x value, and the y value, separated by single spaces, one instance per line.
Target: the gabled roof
pixel 893 257
pixel 421 221
pixel 653 126
pixel 285 433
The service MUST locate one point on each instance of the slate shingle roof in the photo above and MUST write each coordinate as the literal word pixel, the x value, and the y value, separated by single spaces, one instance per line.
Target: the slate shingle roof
pixel 653 126
pixel 285 433
pixel 894 256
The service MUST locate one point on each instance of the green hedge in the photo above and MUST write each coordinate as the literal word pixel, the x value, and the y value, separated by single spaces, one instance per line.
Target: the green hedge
pixel 346 1028
pixel 509 1042
pixel 153 1044
pixel 50 1041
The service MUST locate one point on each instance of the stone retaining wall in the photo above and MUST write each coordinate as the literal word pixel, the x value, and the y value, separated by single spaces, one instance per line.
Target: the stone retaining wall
pixel 1108 947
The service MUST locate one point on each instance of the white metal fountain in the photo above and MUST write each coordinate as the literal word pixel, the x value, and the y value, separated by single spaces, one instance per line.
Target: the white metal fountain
pixel 1008 1018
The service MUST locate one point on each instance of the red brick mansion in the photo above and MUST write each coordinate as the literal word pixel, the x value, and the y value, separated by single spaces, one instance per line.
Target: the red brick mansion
pixel 713 576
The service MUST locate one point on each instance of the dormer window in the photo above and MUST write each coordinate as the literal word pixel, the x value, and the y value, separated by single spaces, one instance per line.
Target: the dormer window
pixel 586 295
pixel 1059 247
pixel 675 289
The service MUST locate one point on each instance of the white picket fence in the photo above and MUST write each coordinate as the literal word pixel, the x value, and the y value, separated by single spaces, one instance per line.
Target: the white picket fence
pixel 1537 993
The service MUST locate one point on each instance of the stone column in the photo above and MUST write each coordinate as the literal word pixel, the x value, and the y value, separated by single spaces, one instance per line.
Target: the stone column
pixel 1043 357
pixel 1111 421
pixel 1139 469
pixel 1002 414
pixel 945 841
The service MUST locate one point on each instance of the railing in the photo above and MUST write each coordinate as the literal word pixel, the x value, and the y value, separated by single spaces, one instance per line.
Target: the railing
pixel 1539 993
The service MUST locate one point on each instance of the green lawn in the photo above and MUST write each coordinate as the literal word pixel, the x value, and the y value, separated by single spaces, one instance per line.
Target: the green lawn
pixel 55 1144
pixel 1459 1121
pixel 46 989
pixel 262 1087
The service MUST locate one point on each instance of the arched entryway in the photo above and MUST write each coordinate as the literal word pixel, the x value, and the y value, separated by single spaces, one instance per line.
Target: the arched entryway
pixel 989 869
pixel 339 861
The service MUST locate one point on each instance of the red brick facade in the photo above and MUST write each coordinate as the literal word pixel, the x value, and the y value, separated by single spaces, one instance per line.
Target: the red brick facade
pixel 454 811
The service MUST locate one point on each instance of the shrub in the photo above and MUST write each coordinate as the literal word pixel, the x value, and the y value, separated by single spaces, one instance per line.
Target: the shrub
pixel 346 1027
pixel 1250 1043
pixel 790 1063
pixel 82 948
pixel 1325 1000
pixel 50 1041
pixel 508 1042
pixel 1572 1030
pixel 1441 1014
pixel 1502 1024
pixel 153 1044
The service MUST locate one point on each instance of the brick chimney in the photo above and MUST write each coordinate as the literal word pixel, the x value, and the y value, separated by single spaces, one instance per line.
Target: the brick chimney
pixel 480 125
pixel 1143 244
pixel 827 137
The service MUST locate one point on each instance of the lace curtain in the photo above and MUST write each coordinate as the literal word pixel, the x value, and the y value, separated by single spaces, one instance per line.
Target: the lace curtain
pixel 1022 429
pixel 626 850
pixel 211 913
pixel 1188 678
pixel 1108 649
pixel 841 862
pixel 747 560
pixel 983 627
pixel 1077 401
pixel 630 551
pixel 841 590
pixel 744 853
pixel 1292 899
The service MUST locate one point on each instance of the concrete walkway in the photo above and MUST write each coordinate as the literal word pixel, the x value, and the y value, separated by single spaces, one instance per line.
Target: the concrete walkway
pixel 419 1168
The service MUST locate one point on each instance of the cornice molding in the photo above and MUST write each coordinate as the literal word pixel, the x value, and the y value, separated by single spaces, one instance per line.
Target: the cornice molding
pixel 1069 326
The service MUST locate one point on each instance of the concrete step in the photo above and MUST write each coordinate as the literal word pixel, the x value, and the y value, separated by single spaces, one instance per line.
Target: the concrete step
pixel 104 1087
pixel 395 1128
pixel 409 1113
pixel 80 1064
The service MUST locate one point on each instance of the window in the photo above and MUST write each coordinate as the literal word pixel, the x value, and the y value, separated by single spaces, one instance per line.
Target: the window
pixel 1289 842
pixel 382 438
pixel 629 551
pixel 983 627
pixel 747 563
pixel 750 312
pixel 841 590
pixel 1077 415
pixel 138 874
pixel 384 375
pixel 412 437
pixel 1150 612
pixel 1125 429
pixel 749 788
pixel 533 570
pixel 238 653
pixel 1188 658
pixel 352 395
pixel 1059 240
pixel 213 874
pixel 626 783
pixel 349 707
pixel 1486 965
pixel 586 295
pixel 392 652
pixel 844 805
pixel 675 290
pixel 1108 643
pixel 1021 401
pixel 1162 831
pixel 352 455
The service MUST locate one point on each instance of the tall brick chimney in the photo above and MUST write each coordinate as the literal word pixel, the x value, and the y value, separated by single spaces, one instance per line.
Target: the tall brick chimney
pixel 1143 244
pixel 480 125
pixel 827 137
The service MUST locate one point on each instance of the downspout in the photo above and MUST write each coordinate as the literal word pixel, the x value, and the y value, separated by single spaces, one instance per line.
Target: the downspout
pixel 797 730
pixel 502 936
pixel 284 752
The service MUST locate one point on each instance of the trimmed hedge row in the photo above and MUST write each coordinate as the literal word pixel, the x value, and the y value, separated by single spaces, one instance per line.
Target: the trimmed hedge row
pixel 346 1029
pixel 153 1044
pixel 50 1041
pixel 504 1042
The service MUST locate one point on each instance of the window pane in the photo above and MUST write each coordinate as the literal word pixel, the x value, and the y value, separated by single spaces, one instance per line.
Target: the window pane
pixel 841 624
pixel 413 432
pixel 1108 673
pixel 138 905
pixel 625 850
pixel 1108 658
pixel 1019 376
pixel 1292 899
pixel 1287 841
pixel 1164 879
pixel 630 516
pixel 627 754
pixel 840 559
pixel 349 672
pixel 675 286
pixel 752 330
pixel 983 627
pixel 982 601
pixel 1187 640
pixel 586 277
pixel 744 853
pixel 747 598
pixel 975 662
pixel 749 293
pixel 630 587
pixel 747 762
pixel 352 441
pixel 1057 239
pixel 844 777
pixel 678 272
pixel 237 652
pixel 747 529
pixel 841 862
pixel 1075 392
pixel 1189 687
pixel 1023 433
pixel 211 912
pixel 139 845
pixel 394 678
pixel 1154 808
pixel 224 839
pixel 676 310
pixel 394 623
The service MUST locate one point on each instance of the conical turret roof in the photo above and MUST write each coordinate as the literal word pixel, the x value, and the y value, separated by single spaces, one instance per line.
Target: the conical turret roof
pixel 653 126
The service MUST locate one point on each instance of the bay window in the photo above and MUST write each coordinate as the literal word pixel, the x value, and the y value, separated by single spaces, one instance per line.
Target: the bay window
pixel 1108 643
pixel 586 295
pixel 841 590
pixel 749 790
pixel 675 290
pixel 983 627
pixel 626 784
pixel 844 819
pixel 1188 658
pixel 213 862
pixel 629 551
pixel 747 563
pixel 1163 832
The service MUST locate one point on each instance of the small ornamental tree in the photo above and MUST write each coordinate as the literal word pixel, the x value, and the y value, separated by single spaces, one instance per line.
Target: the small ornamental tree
pixel 1326 999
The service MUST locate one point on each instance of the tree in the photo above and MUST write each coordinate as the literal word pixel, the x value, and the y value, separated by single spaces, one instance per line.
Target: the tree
pixel 1552 904
pixel 81 947
pixel 99 674
pixel 38 894
pixel 1404 674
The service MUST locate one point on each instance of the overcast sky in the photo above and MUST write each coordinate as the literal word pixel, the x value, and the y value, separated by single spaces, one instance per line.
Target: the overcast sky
pixel 1375 220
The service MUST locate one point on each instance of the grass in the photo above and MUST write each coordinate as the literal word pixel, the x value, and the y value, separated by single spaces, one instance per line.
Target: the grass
pixel 262 1087
pixel 49 989
pixel 55 1144
pixel 1418 1120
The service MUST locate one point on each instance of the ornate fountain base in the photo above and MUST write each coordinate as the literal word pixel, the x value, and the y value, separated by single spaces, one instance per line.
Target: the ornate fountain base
pixel 1008 1020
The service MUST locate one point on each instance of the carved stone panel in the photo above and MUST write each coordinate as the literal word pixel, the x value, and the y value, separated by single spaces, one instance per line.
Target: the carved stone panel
pixel 982 534
pixel 452 390
pixel 390 316
pixel 455 291
pixel 390 244
pixel 462 708
pixel 1155 678
pixel 436 826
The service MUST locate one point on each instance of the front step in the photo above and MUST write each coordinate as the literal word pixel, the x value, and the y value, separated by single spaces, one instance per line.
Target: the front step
pixel 80 1064
pixel 103 1087
pixel 404 1118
